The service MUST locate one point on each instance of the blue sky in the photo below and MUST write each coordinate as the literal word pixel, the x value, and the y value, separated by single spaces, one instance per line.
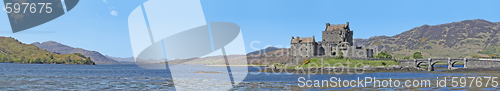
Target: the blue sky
pixel 101 25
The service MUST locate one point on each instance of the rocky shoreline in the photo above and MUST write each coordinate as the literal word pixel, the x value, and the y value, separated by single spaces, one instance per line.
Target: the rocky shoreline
pixel 340 70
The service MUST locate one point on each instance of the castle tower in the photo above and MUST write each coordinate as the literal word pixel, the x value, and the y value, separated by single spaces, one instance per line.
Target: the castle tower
pixel 337 34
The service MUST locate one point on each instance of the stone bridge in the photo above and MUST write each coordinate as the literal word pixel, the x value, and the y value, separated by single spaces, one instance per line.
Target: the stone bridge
pixel 468 63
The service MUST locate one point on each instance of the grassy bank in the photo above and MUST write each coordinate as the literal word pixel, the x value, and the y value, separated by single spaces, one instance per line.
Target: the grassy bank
pixel 333 62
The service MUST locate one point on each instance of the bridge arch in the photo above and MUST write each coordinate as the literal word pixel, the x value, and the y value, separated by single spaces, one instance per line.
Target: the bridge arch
pixel 420 63
pixel 438 61
pixel 455 64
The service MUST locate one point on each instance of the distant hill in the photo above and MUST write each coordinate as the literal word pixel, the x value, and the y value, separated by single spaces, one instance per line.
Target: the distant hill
pixel 13 51
pixel 265 56
pixel 456 39
pixel 268 49
pixel 64 49
pixel 279 55
pixel 127 60
pixel 271 55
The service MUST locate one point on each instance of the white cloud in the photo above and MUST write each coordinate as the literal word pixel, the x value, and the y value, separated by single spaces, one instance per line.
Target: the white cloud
pixel 114 13
pixel 104 1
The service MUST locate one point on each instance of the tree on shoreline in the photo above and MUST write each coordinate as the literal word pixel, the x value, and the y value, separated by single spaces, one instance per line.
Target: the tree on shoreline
pixel 383 55
pixel 417 55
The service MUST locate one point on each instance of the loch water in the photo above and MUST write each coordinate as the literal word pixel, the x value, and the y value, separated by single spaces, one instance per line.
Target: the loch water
pixel 131 77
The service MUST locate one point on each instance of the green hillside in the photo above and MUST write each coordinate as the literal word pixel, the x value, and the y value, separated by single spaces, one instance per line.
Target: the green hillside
pixel 13 51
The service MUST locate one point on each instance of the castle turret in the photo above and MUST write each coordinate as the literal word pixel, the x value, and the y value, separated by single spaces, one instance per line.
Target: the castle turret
pixel 313 38
pixel 327 25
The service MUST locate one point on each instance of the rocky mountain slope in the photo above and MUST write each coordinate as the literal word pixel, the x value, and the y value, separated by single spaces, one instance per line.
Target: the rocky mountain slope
pixel 53 46
pixel 13 51
pixel 456 39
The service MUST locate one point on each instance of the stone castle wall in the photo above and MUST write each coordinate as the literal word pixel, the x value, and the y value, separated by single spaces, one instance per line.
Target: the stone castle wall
pixel 335 39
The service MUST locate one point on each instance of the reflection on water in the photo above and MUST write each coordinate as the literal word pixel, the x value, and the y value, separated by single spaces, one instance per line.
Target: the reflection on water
pixel 131 77
pixel 446 66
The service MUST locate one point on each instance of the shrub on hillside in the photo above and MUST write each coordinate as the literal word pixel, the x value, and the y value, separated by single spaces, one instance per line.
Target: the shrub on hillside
pixel 406 57
pixel 305 61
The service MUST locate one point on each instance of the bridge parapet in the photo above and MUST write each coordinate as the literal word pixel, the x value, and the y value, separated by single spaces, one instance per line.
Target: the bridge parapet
pixel 483 63
pixel 432 61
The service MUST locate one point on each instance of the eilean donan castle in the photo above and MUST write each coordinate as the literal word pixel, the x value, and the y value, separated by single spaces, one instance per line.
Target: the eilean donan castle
pixel 336 38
